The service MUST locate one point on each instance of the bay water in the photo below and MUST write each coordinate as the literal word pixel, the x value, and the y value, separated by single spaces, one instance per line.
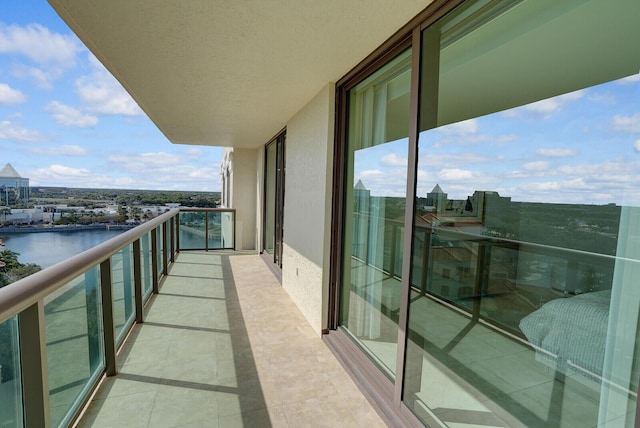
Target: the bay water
pixel 48 248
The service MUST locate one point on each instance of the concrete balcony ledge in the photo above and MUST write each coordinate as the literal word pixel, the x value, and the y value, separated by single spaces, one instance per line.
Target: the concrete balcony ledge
pixel 222 345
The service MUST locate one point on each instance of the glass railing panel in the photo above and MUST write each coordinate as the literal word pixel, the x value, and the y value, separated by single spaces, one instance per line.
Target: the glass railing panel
pixel 159 250
pixel 123 291
pixel 192 230
pixel 146 265
pixel 10 383
pixel 214 231
pixel 75 350
pixel 227 228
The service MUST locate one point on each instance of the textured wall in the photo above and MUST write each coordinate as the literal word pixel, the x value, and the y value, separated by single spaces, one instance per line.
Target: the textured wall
pixel 307 212
pixel 244 196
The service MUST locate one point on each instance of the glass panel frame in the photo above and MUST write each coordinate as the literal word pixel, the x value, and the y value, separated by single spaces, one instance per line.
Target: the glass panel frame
pixel 75 350
pixel 122 279
pixel 192 230
pixel 520 290
pixel 11 409
pixel 373 220
pixel 479 253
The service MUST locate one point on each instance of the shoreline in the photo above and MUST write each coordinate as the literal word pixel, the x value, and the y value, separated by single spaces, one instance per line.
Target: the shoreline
pixel 74 228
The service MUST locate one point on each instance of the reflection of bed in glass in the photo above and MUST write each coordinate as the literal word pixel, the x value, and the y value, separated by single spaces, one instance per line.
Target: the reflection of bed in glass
pixel 571 332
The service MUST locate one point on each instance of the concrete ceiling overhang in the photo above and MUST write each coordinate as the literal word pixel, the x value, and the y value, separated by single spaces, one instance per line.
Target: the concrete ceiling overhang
pixel 230 73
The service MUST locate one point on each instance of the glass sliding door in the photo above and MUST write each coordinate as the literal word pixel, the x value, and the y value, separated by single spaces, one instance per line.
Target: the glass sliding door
pixel 525 305
pixel 375 198
pixel 274 198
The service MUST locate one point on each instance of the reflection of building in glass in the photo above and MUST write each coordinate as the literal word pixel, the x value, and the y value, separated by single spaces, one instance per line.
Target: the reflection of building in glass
pixel 14 187
pixel 361 196
pixel 436 198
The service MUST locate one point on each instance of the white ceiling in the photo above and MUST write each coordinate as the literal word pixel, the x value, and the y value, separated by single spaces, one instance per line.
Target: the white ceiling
pixel 230 73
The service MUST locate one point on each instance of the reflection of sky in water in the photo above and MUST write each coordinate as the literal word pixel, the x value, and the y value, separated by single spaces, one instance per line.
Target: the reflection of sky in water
pixel 582 147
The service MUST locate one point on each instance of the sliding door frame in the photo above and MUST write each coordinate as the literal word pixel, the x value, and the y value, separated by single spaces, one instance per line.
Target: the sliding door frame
pixel 279 141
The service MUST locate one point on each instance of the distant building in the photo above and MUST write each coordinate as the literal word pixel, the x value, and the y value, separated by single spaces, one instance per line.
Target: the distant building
pixel 13 185
pixel 436 198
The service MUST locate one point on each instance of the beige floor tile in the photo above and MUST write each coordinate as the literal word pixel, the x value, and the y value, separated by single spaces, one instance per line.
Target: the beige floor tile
pixel 224 346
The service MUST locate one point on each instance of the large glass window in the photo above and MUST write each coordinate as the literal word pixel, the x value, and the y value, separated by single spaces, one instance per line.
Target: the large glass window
pixel 525 305
pixel 375 199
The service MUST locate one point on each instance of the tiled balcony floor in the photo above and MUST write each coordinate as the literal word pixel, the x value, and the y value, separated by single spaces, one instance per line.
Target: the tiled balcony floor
pixel 223 346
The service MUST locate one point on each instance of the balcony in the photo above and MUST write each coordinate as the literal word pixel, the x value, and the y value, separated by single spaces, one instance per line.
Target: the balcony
pixel 135 332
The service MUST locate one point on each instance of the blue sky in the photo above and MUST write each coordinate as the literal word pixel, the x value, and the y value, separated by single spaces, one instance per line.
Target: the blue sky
pixel 65 121
pixel 581 147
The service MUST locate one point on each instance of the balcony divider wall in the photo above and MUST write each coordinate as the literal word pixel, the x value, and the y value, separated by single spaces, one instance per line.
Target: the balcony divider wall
pixel 79 312
pixel 487 316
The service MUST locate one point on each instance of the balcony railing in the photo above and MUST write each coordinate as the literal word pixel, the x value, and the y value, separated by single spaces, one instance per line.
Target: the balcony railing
pixel 60 328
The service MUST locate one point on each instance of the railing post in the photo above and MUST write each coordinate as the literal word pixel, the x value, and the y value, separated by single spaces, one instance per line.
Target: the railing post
pixel 165 247
pixel 33 360
pixel 178 232
pixel 425 260
pixel 154 259
pixel 126 268
pixel 173 238
pixel 137 280
pixel 206 230
pixel 93 298
pixel 392 258
pixel 482 274
pixel 108 324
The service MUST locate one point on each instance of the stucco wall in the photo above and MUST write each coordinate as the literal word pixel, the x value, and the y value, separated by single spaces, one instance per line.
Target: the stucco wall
pixel 244 196
pixel 307 207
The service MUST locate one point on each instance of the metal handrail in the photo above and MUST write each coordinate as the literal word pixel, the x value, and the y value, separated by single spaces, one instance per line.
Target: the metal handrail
pixel 18 296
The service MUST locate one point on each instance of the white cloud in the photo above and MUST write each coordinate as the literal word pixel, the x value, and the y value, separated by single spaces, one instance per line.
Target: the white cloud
pixel 13 131
pixel 55 172
pixel 194 152
pixel 41 78
pixel 69 116
pixel 393 159
pixel 467 132
pixel 630 79
pixel 53 53
pixel 636 145
pixel 102 94
pixel 370 173
pixel 135 161
pixel 67 150
pixel 456 174
pixel 39 44
pixel 452 159
pixel 547 107
pixel 166 171
pixel 470 126
pixel 568 185
pixel 8 95
pixel 629 124
pixel 556 153
pixel 536 166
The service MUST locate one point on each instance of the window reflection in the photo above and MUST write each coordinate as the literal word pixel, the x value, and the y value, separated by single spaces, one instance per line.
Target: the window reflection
pixel 524 301
pixel 375 200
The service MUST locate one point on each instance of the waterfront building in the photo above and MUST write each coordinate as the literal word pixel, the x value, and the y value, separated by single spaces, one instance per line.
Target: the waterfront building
pixel 517 305
pixel 13 185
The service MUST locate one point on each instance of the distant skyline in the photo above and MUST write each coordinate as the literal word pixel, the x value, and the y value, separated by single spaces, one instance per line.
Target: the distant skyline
pixel 65 121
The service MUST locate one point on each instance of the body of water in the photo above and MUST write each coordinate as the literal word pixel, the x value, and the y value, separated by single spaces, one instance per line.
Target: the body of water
pixel 48 248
